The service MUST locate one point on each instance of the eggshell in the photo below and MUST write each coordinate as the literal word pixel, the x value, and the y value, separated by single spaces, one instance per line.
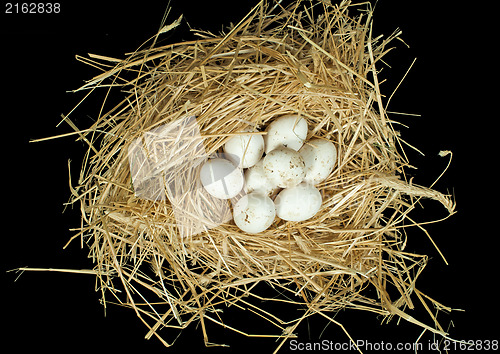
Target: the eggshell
pixel 254 213
pixel 320 157
pixel 284 167
pixel 245 150
pixel 288 131
pixel 221 178
pixel 298 203
pixel 256 180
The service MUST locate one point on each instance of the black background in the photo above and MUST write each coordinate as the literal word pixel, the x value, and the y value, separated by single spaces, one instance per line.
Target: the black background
pixel 451 86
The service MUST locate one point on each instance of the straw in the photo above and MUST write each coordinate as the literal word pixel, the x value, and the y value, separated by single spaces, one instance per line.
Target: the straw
pixel 314 59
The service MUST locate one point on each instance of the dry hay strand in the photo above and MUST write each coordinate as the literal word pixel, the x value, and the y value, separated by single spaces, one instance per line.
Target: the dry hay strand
pixel 316 60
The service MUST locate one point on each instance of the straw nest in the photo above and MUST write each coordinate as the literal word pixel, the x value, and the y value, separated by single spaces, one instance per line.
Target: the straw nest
pixel 318 61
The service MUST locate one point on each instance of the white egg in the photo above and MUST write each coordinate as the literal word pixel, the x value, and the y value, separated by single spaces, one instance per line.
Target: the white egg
pixel 254 213
pixel 284 167
pixel 245 150
pixel 221 178
pixel 320 157
pixel 298 203
pixel 288 131
pixel 256 180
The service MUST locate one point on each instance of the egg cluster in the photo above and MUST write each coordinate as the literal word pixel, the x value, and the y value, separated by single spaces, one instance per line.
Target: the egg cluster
pixel 277 171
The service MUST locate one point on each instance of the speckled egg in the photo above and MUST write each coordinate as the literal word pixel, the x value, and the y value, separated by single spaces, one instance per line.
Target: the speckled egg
pixel 320 156
pixel 298 203
pixel 284 167
pixel 256 180
pixel 245 150
pixel 254 213
pixel 289 131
